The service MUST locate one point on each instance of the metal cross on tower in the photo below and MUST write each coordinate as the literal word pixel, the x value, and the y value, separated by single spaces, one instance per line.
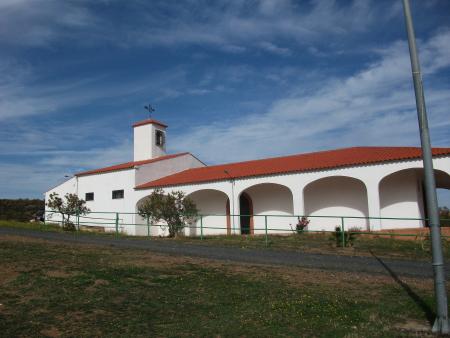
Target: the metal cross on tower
pixel 150 110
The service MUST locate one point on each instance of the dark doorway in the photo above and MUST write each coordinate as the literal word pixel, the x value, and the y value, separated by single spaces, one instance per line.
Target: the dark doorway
pixel 246 212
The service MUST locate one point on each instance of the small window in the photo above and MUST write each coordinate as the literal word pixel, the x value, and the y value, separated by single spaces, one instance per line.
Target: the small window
pixel 160 138
pixel 116 194
pixel 89 196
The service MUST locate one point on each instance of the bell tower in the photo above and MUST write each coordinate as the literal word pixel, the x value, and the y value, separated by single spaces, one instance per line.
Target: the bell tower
pixel 149 139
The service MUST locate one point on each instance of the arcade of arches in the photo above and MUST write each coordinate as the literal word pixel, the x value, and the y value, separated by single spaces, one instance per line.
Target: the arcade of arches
pixel 399 192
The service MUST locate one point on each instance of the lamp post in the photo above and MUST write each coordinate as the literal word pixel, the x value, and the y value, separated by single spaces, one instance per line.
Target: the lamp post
pixel 441 324
pixel 232 199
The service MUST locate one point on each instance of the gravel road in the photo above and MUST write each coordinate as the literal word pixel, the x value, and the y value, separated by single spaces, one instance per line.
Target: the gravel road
pixel 393 267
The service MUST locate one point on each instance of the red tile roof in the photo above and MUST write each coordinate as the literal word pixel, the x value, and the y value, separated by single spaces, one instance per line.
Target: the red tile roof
pixel 149 121
pixel 296 163
pixel 128 165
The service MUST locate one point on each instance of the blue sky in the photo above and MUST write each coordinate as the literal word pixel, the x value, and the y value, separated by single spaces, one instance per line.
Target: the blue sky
pixel 234 80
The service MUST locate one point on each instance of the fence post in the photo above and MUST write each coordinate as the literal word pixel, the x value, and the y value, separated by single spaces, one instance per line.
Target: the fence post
pixel 148 226
pixel 343 232
pixel 265 224
pixel 117 223
pixel 78 220
pixel 201 227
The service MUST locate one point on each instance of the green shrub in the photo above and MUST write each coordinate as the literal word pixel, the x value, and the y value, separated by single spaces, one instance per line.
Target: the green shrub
pixel 348 237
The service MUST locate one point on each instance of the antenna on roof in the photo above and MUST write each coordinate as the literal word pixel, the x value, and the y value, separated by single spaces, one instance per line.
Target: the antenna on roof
pixel 150 109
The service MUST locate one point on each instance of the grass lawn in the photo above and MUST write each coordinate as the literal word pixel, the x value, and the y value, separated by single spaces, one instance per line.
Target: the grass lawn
pixel 363 245
pixel 53 290
pixel 29 225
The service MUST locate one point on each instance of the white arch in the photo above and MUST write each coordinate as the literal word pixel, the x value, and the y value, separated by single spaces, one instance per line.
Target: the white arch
pixel 402 196
pixel 274 200
pixel 336 196
pixel 214 209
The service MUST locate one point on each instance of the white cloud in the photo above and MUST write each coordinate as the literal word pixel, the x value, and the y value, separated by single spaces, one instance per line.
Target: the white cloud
pixel 374 106
pixel 231 26
pixel 38 22
pixel 270 47
pixel 89 158
pixel 23 92
pixel 239 25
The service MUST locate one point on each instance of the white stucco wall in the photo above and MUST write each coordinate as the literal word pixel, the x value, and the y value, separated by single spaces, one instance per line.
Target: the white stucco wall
pixel 145 142
pixel 401 194
pixel 275 201
pixel 141 227
pixel 103 207
pixel 102 185
pixel 153 171
pixel 336 196
pixel 212 207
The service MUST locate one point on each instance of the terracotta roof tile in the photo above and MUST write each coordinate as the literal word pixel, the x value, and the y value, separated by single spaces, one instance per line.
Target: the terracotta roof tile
pixel 128 165
pixel 295 163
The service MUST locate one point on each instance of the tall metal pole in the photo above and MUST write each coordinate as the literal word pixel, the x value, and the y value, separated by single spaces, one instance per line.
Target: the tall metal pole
pixel 441 324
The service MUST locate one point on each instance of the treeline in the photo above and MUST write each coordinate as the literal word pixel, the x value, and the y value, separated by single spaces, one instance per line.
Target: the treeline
pixel 21 209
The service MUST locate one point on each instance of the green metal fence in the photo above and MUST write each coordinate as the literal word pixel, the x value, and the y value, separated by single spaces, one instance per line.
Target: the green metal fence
pixel 122 223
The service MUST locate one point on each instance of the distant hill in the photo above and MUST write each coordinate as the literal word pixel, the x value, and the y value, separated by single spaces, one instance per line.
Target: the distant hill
pixel 21 209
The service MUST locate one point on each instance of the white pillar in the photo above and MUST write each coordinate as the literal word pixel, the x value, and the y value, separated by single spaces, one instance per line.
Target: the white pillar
pixel 373 200
pixel 234 208
pixel 297 195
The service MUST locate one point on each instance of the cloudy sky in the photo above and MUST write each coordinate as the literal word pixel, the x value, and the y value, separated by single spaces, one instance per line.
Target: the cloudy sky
pixel 234 80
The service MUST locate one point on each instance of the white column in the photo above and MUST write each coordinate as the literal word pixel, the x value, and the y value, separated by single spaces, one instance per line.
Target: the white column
pixel 297 195
pixel 234 208
pixel 373 200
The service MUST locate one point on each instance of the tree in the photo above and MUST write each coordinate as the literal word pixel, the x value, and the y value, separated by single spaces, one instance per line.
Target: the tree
pixel 174 209
pixel 69 206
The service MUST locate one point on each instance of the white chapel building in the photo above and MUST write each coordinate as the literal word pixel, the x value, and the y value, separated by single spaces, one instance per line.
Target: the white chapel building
pixel 248 197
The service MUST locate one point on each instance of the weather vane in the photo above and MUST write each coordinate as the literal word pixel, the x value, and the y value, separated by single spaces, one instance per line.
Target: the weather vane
pixel 150 109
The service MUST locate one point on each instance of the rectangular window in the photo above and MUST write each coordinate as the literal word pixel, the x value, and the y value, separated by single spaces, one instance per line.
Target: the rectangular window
pixel 116 194
pixel 89 196
pixel 159 138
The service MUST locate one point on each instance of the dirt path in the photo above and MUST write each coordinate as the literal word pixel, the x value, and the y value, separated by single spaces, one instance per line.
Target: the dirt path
pixel 255 256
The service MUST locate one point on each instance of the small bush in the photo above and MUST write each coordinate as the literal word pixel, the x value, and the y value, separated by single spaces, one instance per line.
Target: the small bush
pixel 349 236
pixel 69 226
pixel 302 223
pixel 352 234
